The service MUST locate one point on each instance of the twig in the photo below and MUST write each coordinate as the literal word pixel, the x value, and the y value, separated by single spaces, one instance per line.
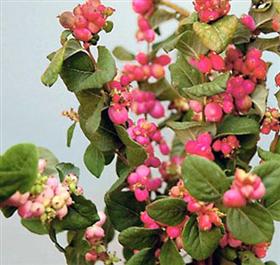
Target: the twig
pixel 178 9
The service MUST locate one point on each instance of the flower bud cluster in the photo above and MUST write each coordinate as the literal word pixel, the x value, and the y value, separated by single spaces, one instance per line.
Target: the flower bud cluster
pixel 207 215
pixel 145 102
pixel 271 121
pixel 146 133
pixel 201 146
pixel 246 187
pixel 87 20
pixel 227 145
pixel 146 69
pixel 211 10
pixel 141 183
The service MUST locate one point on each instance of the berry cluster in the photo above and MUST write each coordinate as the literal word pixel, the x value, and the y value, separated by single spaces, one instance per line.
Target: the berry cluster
pixel 271 121
pixel 145 102
pixel 48 198
pixel 145 31
pixel 146 68
pixel 246 187
pixel 206 64
pixel 121 99
pixel 227 145
pixel 201 146
pixel 207 214
pixel 211 10
pixel 141 183
pixel 145 133
pixel 87 20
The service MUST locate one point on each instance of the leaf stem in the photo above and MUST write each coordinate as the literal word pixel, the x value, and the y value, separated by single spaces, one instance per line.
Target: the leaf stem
pixel 183 12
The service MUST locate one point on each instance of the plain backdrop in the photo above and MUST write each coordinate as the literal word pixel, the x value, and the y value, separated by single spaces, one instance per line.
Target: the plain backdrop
pixel 30 112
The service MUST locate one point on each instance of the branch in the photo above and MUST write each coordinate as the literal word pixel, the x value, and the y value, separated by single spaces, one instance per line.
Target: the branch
pixel 178 9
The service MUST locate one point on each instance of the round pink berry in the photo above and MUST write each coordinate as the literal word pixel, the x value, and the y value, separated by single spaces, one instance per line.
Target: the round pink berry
pixel 213 112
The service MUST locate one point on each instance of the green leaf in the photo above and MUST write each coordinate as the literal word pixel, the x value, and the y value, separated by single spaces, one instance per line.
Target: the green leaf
pixel 270 172
pixel 139 237
pixel 249 258
pixel 218 85
pixel 277 95
pixel 35 226
pixel 8 211
pixel 81 214
pixel 18 169
pixel 50 158
pixel 123 209
pixel 94 160
pixel 79 73
pixel 270 263
pixel 259 98
pixel 162 89
pixel 65 169
pixel 145 256
pixel 233 125
pixel 167 44
pixel 64 36
pixel 218 35
pixel 168 211
pixel 160 16
pixel 191 129
pixel 267 156
pixel 108 230
pixel 122 54
pixel 183 74
pixel 169 254
pixel 190 45
pixel 187 23
pixel 265 44
pixel 200 244
pixel 204 179
pixel 251 224
pixel 242 35
pixel 50 76
pixel 70 133
pixel 135 153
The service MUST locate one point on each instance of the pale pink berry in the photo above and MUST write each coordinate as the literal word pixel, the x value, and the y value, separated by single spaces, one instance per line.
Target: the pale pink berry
pixel 118 114
pixel 82 34
pixel 37 209
pixel 234 199
pixel 249 22
pixel 91 256
pixel 24 210
pixel 141 195
pixel 157 71
pixel 196 106
pixel 61 213
pixel 217 61
pixel 249 86
pixel 213 112
pixel 244 104
pixel 52 182
pixel 157 111
pixel 149 35
pixel 94 232
pixel 67 20
pixel 143 171
pixel 173 231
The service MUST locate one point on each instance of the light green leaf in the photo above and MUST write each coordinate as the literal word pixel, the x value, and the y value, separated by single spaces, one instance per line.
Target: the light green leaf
pixel 18 169
pixel 35 226
pixel 218 85
pixel 218 35
pixel 169 254
pixel 259 98
pixel 242 34
pixel 160 16
pixel 50 158
pixel 233 125
pixel 251 224
pixel 204 179
pixel 70 133
pixel 122 54
pixel 249 258
pixel 200 244
pixel 265 44
pixel 168 211
pixel 94 160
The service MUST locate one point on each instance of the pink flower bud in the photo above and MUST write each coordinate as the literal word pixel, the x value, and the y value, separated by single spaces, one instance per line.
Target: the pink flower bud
pixel 196 106
pixel 213 112
pixel 173 231
pixel 143 171
pixel 142 58
pixel 141 195
pixel 163 60
pixel 228 106
pixel 157 111
pixel 82 34
pixel 118 114
pixel 204 222
pixel 154 184
pixel 52 182
pixel 249 22
pixel 226 149
pixel 233 199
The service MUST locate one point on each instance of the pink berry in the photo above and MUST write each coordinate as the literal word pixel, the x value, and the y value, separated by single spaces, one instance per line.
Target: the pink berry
pixel 213 112
pixel 277 80
pixel 173 231
pixel 157 71
pixel 142 58
pixel 142 6
pixel 157 111
pixel 118 114
pixel 204 64
pixel 196 106
pixel 163 60
pixel 217 61
pixel 204 222
pixel 233 199
pixel 61 213
pixel 82 34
